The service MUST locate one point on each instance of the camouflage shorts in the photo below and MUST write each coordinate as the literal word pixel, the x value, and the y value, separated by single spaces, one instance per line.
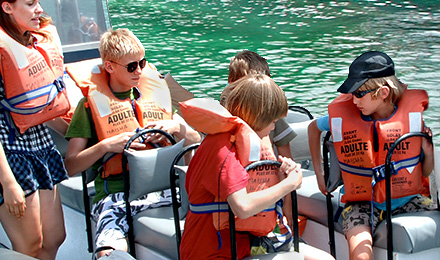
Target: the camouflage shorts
pixel 357 214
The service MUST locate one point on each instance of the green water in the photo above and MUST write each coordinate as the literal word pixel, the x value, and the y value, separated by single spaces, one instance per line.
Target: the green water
pixel 308 44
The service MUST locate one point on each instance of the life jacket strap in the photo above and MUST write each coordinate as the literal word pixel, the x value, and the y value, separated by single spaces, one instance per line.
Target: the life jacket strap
pixel 379 171
pixel 216 207
pixel 50 90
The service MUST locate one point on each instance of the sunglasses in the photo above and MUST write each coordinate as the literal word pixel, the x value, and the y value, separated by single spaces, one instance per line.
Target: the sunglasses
pixel 132 66
pixel 360 94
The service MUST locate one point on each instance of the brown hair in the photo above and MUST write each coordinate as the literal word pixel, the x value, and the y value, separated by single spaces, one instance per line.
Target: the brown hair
pixel 115 45
pixel 246 62
pixel 258 100
pixel 11 29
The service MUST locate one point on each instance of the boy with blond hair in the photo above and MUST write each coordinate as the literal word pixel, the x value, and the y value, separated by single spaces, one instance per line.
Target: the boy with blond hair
pixel 122 94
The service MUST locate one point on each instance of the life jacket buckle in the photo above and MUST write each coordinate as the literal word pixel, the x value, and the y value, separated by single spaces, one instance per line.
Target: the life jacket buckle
pixel 59 84
pixel 379 172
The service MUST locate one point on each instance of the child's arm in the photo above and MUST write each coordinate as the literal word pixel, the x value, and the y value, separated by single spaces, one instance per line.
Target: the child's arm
pixel 287 207
pixel 59 125
pixel 13 194
pixel 177 127
pixel 428 151
pixel 79 158
pixel 315 151
pixel 245 204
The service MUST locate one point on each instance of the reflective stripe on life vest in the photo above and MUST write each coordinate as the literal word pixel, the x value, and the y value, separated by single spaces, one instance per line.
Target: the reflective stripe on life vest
pixel 51 91
pixel 33 79
pixel 215 207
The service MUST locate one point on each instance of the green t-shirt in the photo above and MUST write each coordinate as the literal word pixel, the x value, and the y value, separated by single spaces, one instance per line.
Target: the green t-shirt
pixel 82 126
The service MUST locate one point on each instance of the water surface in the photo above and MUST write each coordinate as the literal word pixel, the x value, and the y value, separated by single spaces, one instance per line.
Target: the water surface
pixel 309 45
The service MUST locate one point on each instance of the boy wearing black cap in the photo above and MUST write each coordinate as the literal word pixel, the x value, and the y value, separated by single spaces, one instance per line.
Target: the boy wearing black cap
pixel 374 109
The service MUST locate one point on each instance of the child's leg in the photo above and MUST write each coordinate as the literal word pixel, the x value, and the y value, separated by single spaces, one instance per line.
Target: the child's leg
pixel 52 220
pixel 111 224
pixel 357 230
pixel 25 233
pixel 360 243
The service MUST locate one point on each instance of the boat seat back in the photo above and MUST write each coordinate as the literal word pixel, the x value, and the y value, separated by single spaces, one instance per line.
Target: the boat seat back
pixel 182 194
pixel 71 192
pixel 155 228
pixel 412 232
pixel 334 179
pixel 149 169
pixel 299 119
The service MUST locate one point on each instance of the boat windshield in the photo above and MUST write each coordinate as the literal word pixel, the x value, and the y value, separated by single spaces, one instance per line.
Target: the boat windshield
pixel 80 24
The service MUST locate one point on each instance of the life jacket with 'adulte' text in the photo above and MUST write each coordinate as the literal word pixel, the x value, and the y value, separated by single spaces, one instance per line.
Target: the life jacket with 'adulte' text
pixel 362 145
pixel 33 79
pixel 209 117
pixel 111 115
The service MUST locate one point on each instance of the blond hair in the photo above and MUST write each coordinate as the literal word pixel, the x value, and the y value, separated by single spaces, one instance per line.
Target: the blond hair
pixel 396 87
pixel 258 100
pixel 115 45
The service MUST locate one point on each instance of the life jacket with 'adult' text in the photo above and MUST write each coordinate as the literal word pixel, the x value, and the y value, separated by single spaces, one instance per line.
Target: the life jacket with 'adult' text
pixel 111 115
pixel 209 117
pixel 362 145
pixel 33 79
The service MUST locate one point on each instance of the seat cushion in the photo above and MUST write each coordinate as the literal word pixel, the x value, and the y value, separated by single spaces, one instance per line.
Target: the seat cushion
pixel 412 232
pixel 71 192
pixel 154 228
pixel 13 255
pixel 312 203
pixel 277 256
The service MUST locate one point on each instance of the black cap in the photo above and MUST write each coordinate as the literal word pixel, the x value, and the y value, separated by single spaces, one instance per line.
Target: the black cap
pixel 371 64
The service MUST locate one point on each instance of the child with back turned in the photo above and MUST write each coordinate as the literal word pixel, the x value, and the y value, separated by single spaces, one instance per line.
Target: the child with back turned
pixel 374 109
pixel 216 174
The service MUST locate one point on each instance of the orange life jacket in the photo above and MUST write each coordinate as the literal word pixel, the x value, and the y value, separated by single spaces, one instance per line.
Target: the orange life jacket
pixel 360 157
pixel 33 79
pixel 112 116
pixel 209 117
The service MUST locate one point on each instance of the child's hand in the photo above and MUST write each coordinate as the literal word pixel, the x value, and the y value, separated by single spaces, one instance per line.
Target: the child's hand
pixel 321 183
pixel 15 201
pixel 117 143
pixel 426 144
pixel 291 171
pixel 169 126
